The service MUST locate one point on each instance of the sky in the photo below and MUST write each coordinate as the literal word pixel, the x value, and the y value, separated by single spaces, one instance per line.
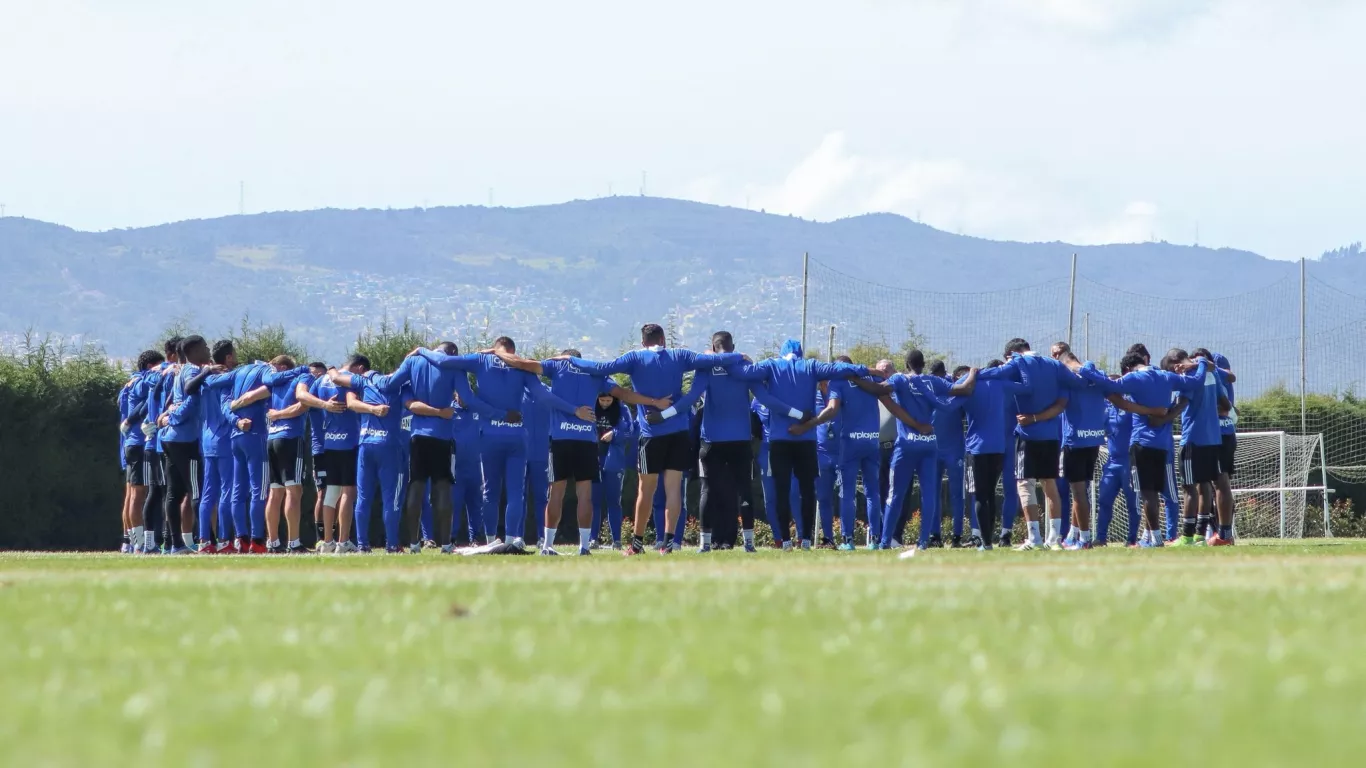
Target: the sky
pixel 1232 123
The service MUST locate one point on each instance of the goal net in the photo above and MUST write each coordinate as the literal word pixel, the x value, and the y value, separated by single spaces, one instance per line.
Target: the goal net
pixel 1272 490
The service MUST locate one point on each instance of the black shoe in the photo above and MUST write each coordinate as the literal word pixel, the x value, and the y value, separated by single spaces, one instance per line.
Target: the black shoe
pixel 936 542
pixel 976 542
pixel 278 549
pixel 1005 540
pixel 300 549
pixel 956 542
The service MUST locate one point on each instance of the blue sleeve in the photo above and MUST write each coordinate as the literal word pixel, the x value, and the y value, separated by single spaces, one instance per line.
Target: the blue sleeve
pixel 388 385
pixel 221 380
pixel 700 380
pixel 624 364
pixel 828 371
pixel 626 427
pixel 445 362
pixel 180 412
pixel 138 412
pixel 764 396
pixel 750 372
pixel 1069 380
pixel 1009 371
pixel 1014 387
pixel 473 401
pixel 1100 381
pixel 723 359
pixel 279 377
pixel 537 393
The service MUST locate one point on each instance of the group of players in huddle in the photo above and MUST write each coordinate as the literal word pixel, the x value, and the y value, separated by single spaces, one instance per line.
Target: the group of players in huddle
pixel 215 451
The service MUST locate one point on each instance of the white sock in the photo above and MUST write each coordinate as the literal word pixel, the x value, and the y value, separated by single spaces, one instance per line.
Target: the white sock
pixel 1034 531
pixel 1086 536
pixel 188 538
pixel 549 542
pixel 1055 529
pixel 295 543
pixel 706 539
pixel 150 540
pixel 977 532
pixel 136 536
pixel 585 537
pixel 749 535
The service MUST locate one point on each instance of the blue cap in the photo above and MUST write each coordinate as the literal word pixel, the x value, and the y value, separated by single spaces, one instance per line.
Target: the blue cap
pixel 791 347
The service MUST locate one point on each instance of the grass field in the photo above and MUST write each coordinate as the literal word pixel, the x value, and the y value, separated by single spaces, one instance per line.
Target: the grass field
pixel 1242 656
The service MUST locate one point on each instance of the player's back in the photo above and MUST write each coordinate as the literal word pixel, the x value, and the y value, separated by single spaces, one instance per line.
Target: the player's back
pixel 432 386
pixel 989 415
pixel 726 415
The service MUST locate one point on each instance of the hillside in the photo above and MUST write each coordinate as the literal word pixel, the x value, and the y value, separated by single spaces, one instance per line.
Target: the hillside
pixel 586 272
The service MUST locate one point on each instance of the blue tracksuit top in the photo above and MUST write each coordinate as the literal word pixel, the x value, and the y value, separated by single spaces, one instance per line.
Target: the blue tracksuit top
pixel 948 422
pixel 185 420
pixel 915 394
pixel 1153 388
pixel 793 380
pixel 437 387
pixel 612 454
pixel 1228 425
pixel 1200 419
pixel 990 414
pixel 502 387
pixel 1046 380
pixel 282 396
pixel 155 393
pixel 374 389
pixel 727 392
pixel 658 372
pixel 576 387
pixel 341 431
pixel 860 420
pixel 1119 428
pixel 1084 419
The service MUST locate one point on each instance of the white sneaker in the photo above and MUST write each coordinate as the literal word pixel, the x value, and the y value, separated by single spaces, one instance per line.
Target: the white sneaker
pixel 415 549
pixel 327 547
pixel 346 548
pixel 896 543
pixel 448 549
pixel 549 551
pixel 518 544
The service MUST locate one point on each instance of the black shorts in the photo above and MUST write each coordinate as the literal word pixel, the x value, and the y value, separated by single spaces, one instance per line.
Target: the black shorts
pixel 134 471
pixel 573 461
pixel 1079 464
pixel 429 458
pixel 1227 451
pixel 1036 459
pixel 1150 467
pixel 153 470
pixel 286 462
pixel 665 452
pixel 319 471
pixel 1199 463
pixel 341 467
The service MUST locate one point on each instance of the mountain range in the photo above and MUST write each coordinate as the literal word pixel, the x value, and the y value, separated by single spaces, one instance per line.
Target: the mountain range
pixel 585 273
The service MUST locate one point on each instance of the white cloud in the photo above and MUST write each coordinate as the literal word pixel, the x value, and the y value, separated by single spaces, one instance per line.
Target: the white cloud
pixel 834 182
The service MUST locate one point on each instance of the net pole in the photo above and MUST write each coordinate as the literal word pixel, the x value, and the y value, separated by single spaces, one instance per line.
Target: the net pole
pixel 1086 335
pixel 831 347
pixel 1304 427
pixel 1323 468
pixel 1282 484
pixel 1072 300
pixel 806 283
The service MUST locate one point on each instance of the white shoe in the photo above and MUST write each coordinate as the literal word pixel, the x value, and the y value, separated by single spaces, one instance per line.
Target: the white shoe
pixel 549 551
pixel 518 544
pixel 896 543
pixel 907 555
pixel 327 547
pixel 447 549
pixel 346 548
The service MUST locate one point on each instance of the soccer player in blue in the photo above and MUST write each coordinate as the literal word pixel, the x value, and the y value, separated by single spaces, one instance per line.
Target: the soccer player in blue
pixel 380 467
pixel 248 441
pixel 1151 391
pixel 761 413
pixel 151 394
pixel 180 437
pixel 665 446
pixel 1115 478
pixel 615 429
pixel 284 451
pixel 314 419
pixel 793 379
pixel 134 444
pixel 1084 430
pixel 912 397
pixel 726 455
pixel 950 440
pixel 340 460
pixel 990 422
pixel 467 466
pixel 504 445
pixel 1040 430
pixel 1228 429
pixel 538 418
pixel 857 419
pixel 573 448
pixel 1201 446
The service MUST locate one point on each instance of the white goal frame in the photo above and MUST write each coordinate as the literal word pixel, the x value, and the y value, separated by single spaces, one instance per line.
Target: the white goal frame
pixel 1282 491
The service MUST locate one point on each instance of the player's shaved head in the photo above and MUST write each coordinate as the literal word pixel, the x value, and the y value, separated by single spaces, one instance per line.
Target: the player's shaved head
pixel 722 341
pixel 448 348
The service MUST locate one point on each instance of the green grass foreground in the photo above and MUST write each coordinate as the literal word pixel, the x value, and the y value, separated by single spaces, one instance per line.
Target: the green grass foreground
pixel 1240 656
